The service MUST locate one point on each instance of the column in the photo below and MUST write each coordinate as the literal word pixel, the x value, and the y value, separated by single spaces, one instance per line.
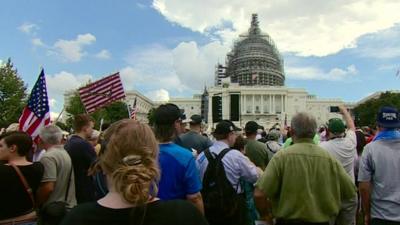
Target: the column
pixel 241 104
pixel 270 104
pixel 262 104
pixel 273 104
pixel 282 104
pixel 209 113
pixel 253 106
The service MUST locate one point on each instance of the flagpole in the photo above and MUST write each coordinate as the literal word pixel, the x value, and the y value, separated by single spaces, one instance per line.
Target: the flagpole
pixel 129 110
pixel 59 115
pixel 101 124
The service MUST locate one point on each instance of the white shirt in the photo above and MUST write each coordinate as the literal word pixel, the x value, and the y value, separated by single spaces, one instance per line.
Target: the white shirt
pixel 236 165
pixel 344 150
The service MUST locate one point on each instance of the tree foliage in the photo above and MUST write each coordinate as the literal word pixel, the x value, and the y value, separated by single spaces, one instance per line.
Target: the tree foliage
pixel 365 113
pixel 111 113
pixel 12 94
pixel 150 116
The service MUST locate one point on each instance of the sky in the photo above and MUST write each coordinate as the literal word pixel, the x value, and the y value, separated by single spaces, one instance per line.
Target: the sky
pixel 345 49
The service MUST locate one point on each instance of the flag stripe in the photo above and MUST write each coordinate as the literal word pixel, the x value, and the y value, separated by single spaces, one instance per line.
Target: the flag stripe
pixel 102 92
pixel 94 102
pixel 98 84
pixel 105 80
pixel 101 95
pixel 100 88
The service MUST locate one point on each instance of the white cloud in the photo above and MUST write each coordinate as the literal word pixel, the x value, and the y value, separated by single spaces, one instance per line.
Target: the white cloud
pixel 64 81
pixel 28 28
pixel 103 54
pixel 52 102
pixel 72 50
pixel 158 95
pixel 152 68
pixel 313 73
pixel 59 83
pixel 184 69
pixel 306 27
pixel 37 42
pixel 54 115
pixel 195 65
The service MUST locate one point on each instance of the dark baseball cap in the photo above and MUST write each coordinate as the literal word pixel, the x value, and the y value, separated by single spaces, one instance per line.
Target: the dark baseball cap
pixel 336 126
pixel 168 114
pixel 195 119
pixel 388 117
pixel 252 127
pixel 225 127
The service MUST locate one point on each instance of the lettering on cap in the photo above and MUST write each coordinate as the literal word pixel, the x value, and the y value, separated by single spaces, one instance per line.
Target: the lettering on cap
pixel 389 116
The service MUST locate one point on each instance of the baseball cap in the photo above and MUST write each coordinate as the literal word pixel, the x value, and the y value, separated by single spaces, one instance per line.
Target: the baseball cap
pixel 336 126
pixel 273 134
pixel 388 117
pixel 195 119
pixel 168 114
pixel 225 127
pixel 251 127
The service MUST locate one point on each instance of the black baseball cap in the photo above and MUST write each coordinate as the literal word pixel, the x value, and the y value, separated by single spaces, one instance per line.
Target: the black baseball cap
pixel 195 119
pixel 225 127
pixel 252 127
pixel 168 114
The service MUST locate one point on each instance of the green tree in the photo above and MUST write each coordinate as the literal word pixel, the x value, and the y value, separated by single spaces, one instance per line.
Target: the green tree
pixel 365 113
pixel 111 113
pixel 150 116
pixel 12 94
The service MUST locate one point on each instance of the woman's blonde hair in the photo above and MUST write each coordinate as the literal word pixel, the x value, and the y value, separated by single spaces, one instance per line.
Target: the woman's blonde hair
pixel 131 160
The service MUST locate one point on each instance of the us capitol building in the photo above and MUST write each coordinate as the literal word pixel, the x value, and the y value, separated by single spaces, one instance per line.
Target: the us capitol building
pixel 250 86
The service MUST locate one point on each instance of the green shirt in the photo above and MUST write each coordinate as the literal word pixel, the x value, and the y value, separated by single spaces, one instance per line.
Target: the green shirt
pixel 289 141
pixel 257 153
pixel 306 183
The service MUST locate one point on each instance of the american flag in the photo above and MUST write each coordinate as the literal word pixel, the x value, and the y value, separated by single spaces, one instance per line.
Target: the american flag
pixel 37 113
pixel 133 110
pixel 102 92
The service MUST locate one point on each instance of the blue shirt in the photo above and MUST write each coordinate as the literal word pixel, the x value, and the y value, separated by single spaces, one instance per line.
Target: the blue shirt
pixel 179 174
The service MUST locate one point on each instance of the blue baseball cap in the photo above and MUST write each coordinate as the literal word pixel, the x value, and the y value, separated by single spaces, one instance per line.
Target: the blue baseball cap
pixel 388 117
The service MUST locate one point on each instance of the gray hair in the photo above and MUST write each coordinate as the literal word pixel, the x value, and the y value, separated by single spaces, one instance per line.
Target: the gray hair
pixel 95 135
pixel 304 125
pixel 51 134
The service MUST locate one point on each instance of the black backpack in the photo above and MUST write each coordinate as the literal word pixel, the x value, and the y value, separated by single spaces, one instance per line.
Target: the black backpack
pixel 222 204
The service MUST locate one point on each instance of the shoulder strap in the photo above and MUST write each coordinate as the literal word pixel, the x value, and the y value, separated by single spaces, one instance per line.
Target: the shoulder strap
pixel 222 154
pixel 24 182
pixel 208 155
pixel 69 182
pixel 269 148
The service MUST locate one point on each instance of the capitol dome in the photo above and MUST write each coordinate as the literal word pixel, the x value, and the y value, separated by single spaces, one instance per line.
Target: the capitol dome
pixel 255 60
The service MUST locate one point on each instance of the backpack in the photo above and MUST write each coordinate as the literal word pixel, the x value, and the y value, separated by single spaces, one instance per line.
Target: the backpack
pixel 222 204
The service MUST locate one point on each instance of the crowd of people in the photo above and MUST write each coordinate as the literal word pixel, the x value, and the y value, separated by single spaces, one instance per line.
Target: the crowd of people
pixel 174 173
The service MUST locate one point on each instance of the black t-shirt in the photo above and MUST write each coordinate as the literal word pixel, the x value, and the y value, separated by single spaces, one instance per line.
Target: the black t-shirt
pixel 174 212
pixel 14 199
pixel 192 139
pixel 82 155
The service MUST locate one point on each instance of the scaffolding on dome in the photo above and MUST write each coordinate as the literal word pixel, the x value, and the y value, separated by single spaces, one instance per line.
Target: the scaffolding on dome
pixel 255 59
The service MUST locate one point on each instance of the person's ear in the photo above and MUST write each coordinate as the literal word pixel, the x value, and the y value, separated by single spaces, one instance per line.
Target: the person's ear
pixel 13 148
